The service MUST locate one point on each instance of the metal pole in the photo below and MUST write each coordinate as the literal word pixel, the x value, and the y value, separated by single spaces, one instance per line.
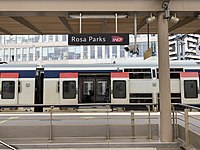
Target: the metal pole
pixel 164 80
pixel 107 127
pixel 135 32
pixel 80 22
pixel 116 23
pixel 178 47
pixel 187 137
pixel 174 127
pixel 148 35
pixel 133 123
pixel 50 126
pixel 149 123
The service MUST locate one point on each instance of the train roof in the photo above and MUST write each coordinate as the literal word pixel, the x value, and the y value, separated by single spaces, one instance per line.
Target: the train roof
pixel 18 66
pixel 144 64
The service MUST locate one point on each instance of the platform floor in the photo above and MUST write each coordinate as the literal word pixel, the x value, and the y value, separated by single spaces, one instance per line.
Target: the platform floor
pixel 32 131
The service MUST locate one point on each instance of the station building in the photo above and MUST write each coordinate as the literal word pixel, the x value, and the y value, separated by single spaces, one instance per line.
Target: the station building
pixel 42 49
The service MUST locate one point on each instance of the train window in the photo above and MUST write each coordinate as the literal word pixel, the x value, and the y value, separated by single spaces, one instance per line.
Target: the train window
pixel 137 70
pixel 174 73
pixel 154 73
pixel 139 75
pixel 190 89
pixel 8 90
pixel 119 89
pixel 69 89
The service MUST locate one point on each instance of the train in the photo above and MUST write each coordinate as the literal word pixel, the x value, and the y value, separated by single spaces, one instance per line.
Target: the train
pixel 103 83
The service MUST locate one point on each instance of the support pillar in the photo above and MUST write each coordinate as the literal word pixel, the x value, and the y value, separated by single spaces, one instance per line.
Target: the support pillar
pixel 164 80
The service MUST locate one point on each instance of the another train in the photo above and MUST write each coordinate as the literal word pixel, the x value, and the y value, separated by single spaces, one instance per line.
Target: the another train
pixel 73 84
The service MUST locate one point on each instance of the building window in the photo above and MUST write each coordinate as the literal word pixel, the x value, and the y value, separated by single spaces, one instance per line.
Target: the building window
pixel 122 51
pixel 18 54
pixel 1 55
pixel 24 54
pixel 99 52
pixel 107 51
pixel 6 54
pixel 30 54
pixel 114 51
pixel 85 52
pixel 45 53
pixel 37 53
pixel 92 52
pixel 64 38
pixel 12 54
pixel 50 38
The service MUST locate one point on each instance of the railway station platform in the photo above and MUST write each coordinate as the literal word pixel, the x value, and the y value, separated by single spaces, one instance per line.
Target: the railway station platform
pixel 97 130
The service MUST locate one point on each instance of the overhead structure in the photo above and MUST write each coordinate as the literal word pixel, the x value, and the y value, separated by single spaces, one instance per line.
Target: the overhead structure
pixel 104 16
pixel 62 17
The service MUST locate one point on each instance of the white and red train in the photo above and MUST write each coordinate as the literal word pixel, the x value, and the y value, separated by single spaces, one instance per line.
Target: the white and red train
pixel 73 84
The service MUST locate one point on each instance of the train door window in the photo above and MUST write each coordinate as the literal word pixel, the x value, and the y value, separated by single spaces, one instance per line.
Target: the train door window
pixel 88 87
pixel 69 89
pixel 119 89
pixel 190 89
pixel 101 87
pixel 8 90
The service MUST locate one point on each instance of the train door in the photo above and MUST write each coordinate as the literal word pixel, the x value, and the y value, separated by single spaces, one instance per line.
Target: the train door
pixel 189 87
pixel 9 88
pixel 94 88
pixel 68 88
pixel 120 87
pixel 39 82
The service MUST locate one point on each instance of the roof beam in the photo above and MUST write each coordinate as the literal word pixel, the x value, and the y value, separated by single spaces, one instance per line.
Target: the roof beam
pixel 182 23
pixel 26 23
pixel 5 31
pixel 67 25
pixel 142 24
pixel 103 5
pixel 197 32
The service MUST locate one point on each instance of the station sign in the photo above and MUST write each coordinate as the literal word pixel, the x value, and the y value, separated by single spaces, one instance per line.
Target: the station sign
pixel 98 39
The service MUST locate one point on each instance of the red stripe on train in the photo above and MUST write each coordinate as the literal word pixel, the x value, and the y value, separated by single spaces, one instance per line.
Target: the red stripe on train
pixel 9 75
pixel 189 74
pixel 69 75
pixel 119 75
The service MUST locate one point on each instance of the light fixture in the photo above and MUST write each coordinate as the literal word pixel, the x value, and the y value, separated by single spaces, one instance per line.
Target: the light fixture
pixel 151 19
pixel 97 16
pixel 197 16
pixel 174 19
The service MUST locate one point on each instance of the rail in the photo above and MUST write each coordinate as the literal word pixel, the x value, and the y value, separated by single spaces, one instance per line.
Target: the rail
pixel 107 121
pixel 184 117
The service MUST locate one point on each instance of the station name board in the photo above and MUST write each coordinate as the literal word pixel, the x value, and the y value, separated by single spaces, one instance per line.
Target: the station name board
pixel 98 39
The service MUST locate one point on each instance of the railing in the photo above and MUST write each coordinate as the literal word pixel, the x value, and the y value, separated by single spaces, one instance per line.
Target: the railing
pixel 184 118
pixel 106 121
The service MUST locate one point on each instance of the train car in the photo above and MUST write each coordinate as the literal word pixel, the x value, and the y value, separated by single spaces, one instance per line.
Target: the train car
pixel 114 83
pixel 18 84
pixel 137 82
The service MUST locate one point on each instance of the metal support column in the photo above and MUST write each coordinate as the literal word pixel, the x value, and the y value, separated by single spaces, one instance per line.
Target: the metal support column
pixel 164 80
